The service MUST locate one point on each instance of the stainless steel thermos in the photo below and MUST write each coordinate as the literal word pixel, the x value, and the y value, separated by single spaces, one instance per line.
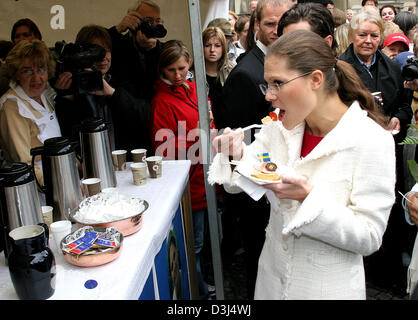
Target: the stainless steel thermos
pixel 61 178
pixel 19 200
pixel 96 152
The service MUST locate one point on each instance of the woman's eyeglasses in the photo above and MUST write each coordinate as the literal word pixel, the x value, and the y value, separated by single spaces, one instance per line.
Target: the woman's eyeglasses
pixel 30 72
pixel 275 87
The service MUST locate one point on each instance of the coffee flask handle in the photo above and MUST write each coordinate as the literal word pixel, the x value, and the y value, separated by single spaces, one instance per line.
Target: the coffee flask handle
pixel 35 152
pixel 75 144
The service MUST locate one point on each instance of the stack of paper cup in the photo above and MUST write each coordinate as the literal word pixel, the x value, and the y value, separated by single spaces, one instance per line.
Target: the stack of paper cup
pixel 59 230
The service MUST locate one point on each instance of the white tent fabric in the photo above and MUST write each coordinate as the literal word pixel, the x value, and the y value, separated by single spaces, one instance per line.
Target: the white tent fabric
pixel 217 9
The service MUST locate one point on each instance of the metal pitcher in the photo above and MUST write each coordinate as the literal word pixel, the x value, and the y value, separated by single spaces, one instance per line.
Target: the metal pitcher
pixel 96 152
pixel 61 178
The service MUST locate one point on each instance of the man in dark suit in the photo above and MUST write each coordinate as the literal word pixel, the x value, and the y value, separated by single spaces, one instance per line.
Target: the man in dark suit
pixel 244 104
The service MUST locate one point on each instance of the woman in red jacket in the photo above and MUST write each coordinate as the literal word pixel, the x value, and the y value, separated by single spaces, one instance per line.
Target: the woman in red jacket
pixel 175 131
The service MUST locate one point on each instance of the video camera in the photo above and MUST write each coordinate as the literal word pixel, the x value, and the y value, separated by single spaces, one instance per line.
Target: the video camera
pixel 151 31
pixel 410 69
pixel 75 58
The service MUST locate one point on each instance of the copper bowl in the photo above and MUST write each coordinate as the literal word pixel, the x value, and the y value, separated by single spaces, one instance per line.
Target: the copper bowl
pixel 126 226
pixel 94 260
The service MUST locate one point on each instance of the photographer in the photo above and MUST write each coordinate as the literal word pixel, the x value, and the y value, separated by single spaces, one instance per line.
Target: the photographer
pixel 112 100
pixel 138 49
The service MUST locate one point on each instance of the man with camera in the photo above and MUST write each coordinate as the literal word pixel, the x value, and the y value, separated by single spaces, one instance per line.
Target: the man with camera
pixel 139 48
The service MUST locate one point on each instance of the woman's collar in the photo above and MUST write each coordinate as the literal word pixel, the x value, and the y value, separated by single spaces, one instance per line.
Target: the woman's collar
pixel 188 77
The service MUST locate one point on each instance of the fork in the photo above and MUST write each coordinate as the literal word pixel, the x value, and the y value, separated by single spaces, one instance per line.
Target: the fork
pixel 252 126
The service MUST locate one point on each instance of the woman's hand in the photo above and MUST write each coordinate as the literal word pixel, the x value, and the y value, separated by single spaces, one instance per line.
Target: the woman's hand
pixel 107 90
pixel 394 124
pixel 230 143
pixel 412 205
pixel 292 187
pixel 64 81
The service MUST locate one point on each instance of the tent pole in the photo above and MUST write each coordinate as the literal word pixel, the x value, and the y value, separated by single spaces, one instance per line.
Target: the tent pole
pixel 205 143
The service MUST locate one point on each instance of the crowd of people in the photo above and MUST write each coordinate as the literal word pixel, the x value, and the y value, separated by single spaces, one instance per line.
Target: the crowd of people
pixel 344 108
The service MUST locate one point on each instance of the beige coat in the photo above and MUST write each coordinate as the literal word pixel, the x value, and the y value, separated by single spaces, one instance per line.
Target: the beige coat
pixel 315 249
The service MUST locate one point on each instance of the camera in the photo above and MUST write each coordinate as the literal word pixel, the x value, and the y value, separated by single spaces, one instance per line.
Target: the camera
pixel 151 31
pixel 75 58
pixel 410 69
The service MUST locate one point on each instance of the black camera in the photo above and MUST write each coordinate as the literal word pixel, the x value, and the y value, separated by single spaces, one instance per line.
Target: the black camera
pixel 151 31
pixel 410 69
pixel 75 58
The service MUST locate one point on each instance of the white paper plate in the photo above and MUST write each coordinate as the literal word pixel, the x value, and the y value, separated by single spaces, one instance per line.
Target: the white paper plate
pixel 246 169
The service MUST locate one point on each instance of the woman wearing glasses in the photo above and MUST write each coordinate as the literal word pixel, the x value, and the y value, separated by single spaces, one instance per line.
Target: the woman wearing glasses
pixel 27 116
pixel 332 206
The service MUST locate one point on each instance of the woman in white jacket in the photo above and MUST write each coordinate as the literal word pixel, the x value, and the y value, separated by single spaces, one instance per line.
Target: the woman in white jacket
pixel 333 208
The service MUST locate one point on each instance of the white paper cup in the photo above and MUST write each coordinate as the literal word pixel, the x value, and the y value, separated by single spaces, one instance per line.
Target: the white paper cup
pixel 59 230
pixel 139 173
pixel 47 215
pixel 155 166
pixel 139 155
pixel 109 190
pixel 91 186
pixel 119 159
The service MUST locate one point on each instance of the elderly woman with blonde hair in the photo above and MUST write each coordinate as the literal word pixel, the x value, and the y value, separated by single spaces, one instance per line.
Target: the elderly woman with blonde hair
pixel 27 115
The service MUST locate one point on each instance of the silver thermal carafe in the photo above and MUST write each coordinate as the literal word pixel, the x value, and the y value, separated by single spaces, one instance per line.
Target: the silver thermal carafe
pixel 61 178
pixel 19 200
pixel 96 152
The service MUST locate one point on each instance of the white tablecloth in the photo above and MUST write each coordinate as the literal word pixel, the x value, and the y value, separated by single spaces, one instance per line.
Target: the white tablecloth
pixel 123 278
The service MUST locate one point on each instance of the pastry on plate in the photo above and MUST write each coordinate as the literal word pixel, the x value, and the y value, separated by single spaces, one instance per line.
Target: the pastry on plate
pixel 266 171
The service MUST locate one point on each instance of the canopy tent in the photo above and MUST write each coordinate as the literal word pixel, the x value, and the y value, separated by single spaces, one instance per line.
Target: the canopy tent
pixel 62 22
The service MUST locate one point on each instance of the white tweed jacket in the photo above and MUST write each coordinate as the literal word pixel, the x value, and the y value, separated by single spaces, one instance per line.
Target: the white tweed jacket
pixel 314 249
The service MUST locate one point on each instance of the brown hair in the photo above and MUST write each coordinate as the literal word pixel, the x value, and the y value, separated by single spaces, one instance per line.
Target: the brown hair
pixel 261 4
pixel 210 32
pixel 306 51
pixel 249 40
pixel 28 23
pixel 171 51
pixel 338 16
pixel 35 51
pixel 88 34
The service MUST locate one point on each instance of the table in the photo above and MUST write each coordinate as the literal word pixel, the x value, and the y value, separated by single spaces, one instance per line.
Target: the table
pixel 125 277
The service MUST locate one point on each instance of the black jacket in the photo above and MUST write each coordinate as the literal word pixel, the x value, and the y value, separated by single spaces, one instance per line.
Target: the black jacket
pixel 243 103
pixel 386 77
pixel 132 64
pixel 128 116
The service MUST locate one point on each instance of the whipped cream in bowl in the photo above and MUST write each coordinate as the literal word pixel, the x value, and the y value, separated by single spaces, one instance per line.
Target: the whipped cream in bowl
pixel 111 209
